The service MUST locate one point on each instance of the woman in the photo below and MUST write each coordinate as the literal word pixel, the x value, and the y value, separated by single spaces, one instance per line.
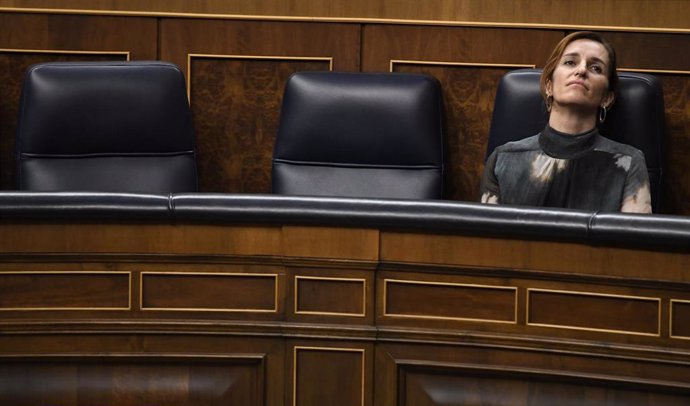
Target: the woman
pixel 569 164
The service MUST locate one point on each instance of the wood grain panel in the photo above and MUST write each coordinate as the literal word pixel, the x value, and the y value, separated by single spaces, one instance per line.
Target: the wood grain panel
pixel 595 312
pixel 139 239
pixel 181 37
pixel 330 296
pixel 342 383
pixel 198 363
pixel 676 188
pixel 642 13
pixel 64 291
pixel 450 301
pixel 132 381
pixel 680 319
pixel 383 43
pixel 461 371
pixel 210 292
pixel 550 256
pixel 236 101
pixel 330 242
pixel 29 39
pixel 637 50
pixel 429 385
pixel 236 107
pixel 79 33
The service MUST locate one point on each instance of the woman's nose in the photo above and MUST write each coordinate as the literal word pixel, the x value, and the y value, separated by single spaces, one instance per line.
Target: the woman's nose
pixel 581 69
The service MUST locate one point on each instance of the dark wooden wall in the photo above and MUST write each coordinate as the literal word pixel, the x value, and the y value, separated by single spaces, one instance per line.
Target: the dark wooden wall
pixel 236 70
pixel 657 14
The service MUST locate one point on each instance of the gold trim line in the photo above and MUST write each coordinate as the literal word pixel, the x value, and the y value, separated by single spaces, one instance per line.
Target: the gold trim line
pixel 463 64
pixel 670 319
pixel 65 52
pixel 658 71
pixel 361 20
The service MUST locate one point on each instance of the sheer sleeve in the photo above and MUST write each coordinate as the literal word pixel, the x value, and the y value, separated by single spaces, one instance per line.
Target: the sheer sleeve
pixel 489 190
pixel 636 194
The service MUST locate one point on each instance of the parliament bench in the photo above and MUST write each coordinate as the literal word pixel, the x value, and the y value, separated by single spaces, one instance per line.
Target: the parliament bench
pixel 270 300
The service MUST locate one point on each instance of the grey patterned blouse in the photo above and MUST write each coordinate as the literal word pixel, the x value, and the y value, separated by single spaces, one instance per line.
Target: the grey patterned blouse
pixel 553 169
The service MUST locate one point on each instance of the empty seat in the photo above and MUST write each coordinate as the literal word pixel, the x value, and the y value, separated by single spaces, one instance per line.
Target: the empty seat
pixel 107 127
pixel 376 135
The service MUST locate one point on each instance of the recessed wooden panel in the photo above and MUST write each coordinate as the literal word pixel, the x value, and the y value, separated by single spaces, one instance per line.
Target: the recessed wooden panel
pixel 330 296
pixel 211 291
pixel 132 381
pixel 500 386
pixel 680 319
pixel 339 384
pixel 452 301
pixel 236 107
pixel 64 291
pixel 594 312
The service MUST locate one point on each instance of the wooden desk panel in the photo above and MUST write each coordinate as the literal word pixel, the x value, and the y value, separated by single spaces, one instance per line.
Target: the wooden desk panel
pixel 312 315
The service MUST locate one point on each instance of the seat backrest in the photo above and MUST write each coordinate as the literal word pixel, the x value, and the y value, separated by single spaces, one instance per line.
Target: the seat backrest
pixel 636 117
pixel 107 127
pixel 377 135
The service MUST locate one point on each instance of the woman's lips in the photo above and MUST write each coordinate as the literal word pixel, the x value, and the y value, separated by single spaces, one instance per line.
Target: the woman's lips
pixel 577 83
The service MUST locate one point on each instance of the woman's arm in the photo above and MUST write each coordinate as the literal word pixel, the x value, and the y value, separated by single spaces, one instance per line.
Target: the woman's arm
pixel 489 190
pixel 636 195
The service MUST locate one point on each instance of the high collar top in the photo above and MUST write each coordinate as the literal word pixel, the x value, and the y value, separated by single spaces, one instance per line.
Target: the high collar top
pixel 561 145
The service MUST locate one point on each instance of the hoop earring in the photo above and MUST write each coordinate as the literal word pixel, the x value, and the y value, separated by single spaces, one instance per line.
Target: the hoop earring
pixel 602 114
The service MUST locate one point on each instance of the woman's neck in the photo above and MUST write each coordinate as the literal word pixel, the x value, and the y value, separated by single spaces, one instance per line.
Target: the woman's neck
pixel 571 121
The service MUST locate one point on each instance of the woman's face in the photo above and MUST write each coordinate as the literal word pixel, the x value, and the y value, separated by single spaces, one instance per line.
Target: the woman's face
pixel 580 79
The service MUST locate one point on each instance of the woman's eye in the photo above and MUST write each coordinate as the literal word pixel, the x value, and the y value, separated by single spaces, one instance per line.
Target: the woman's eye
pixel 569 63
pixel 596 69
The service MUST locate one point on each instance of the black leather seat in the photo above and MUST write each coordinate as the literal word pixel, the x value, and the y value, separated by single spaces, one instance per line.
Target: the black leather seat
pixel 636 117
pixel 375 135
pixel 106 127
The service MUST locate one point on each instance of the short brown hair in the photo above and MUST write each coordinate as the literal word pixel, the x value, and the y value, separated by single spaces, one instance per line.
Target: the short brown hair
pixel 557 53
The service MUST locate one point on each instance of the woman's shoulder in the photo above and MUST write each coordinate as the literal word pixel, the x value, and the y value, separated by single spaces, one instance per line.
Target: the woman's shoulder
pixel 614 147
pixel 525 144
